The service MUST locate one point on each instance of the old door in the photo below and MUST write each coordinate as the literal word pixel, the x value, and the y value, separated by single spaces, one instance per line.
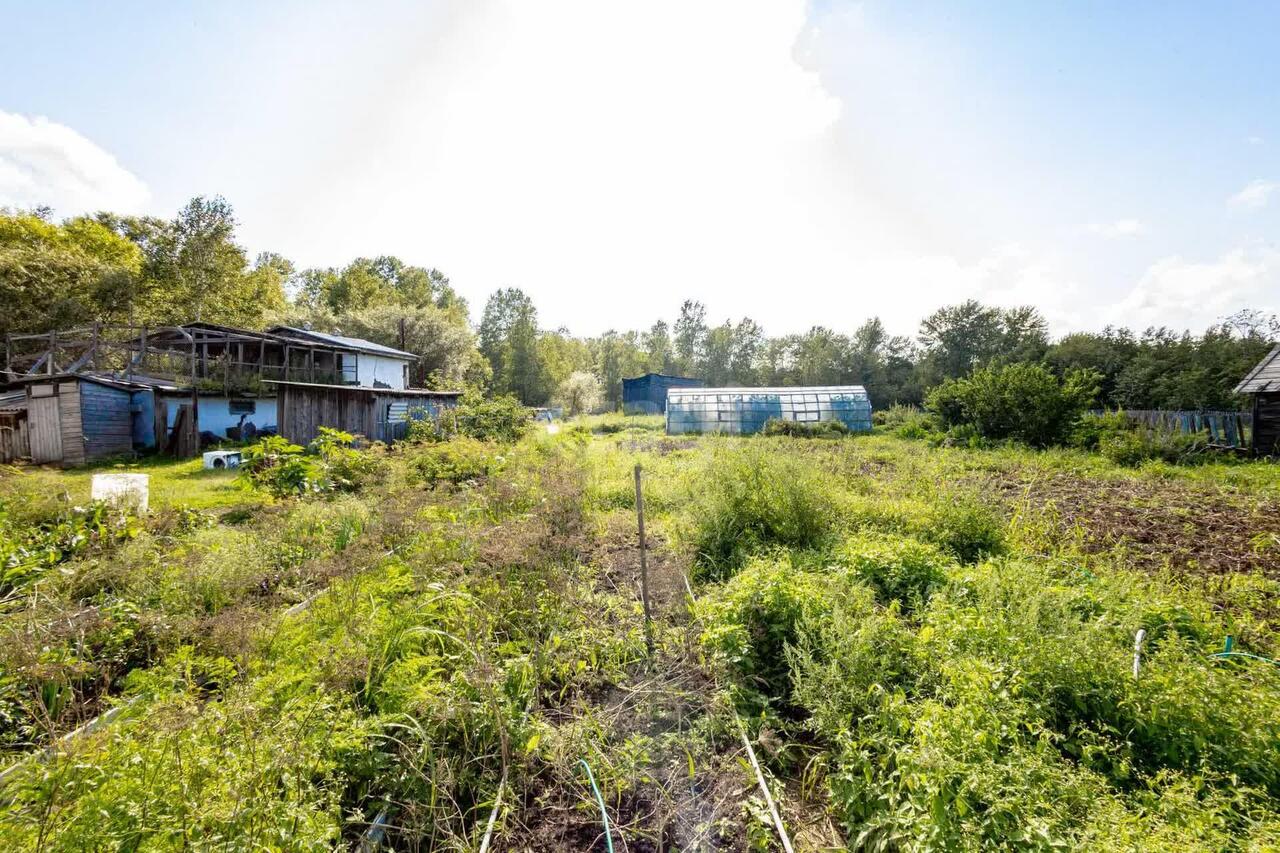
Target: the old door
pixel 44 426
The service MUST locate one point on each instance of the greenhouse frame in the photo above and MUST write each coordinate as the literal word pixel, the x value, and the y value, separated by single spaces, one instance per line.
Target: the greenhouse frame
pixel 743 411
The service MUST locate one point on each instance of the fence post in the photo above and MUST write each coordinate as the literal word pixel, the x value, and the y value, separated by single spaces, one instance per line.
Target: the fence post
pixel 644 567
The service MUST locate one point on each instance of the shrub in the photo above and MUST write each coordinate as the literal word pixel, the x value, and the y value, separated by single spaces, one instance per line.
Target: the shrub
pixel 499 419
pixel 1024 402
pixel 798 429
pixel 898 568
pixel 330 464
pixel 1134 446
pixel 456 461
pixel 750 622
pixel 749 499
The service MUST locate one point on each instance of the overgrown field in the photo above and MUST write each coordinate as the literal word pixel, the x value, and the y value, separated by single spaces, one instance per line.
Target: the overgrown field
pixel 928 647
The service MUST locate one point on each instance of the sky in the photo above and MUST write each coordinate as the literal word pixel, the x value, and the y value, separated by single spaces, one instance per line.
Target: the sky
pixel 800 163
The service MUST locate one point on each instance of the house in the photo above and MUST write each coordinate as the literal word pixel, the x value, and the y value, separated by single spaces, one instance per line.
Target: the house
pixel 746 410
pixel 104 391
pixel 1263 386
pixel 360 362
pixel 647 395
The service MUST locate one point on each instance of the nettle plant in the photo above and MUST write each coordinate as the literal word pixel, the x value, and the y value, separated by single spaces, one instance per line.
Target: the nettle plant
pixel 330 464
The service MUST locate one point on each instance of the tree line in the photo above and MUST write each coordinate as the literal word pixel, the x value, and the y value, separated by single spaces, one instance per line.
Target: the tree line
pixel 117 269
pixel 1157 368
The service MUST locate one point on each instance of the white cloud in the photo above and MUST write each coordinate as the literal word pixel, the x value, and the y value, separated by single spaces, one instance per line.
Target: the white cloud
pixel 1254 139
pixel 1186 294
pixel 1255 194
pixel 46 163
pixel 1117 229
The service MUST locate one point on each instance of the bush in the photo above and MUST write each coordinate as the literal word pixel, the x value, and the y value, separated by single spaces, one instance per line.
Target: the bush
pixel 898 568
pixel 499 419
pixel 752 620
pixel 330 464
pixel 1024 402
pixel 26 552
pixel 456 461
pixel 797 429
pixel 750 499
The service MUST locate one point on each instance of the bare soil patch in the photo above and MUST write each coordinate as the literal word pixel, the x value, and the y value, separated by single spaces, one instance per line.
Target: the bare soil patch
pixel 1202 531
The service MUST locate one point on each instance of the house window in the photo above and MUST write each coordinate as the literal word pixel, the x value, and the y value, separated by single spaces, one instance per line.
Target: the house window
pixel 242 407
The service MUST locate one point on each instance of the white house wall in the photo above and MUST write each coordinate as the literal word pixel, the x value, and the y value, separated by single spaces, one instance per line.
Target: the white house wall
pixel 375 371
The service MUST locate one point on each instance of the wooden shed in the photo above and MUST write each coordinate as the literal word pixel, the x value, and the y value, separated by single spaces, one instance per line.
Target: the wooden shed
pixel 379 414
pixel 13 426
pixel 1263 385
pixel 72 420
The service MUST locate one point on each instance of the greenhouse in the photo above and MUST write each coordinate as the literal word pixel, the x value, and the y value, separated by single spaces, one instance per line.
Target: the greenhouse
pixel 747 410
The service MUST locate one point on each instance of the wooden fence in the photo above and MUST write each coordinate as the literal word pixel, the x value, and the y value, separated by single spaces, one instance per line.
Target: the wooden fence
pixel 1225 429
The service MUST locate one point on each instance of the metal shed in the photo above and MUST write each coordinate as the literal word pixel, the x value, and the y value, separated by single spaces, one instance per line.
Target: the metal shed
pixel 747 410
pixel 647 395
pixel 1263 385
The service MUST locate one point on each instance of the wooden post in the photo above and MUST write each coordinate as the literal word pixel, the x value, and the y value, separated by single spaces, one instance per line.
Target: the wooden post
pixel 53 347
pixel 644 567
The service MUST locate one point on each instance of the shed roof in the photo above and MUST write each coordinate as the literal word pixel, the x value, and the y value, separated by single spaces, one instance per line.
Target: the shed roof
pixel 358 344
pixel 109 381
pixel 364 389
pixel 1264 378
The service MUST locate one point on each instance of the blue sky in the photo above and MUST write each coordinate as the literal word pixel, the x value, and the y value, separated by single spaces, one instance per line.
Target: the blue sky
pixel 797 163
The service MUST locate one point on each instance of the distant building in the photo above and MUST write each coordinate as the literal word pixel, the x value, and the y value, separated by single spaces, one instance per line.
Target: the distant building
pixel 1263 386
pixel 79 395
pixel 746 410
pixel 647 395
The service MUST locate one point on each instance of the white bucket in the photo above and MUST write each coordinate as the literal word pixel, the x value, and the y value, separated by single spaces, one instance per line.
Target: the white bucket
pixel 125 490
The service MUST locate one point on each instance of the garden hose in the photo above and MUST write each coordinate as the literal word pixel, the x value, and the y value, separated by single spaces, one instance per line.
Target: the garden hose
pixel 604 815
pixel 1228 647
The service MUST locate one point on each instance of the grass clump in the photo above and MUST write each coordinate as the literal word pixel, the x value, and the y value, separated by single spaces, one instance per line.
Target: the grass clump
pixel 897 568
pixel 798 429
pixel 456 461
pixel 964 525
pixel 749 499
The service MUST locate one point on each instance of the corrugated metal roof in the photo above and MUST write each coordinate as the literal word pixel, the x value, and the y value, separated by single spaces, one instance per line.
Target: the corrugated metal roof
pixel 795 389
pixel 365 389
pixel 359 344
pixel 1264 378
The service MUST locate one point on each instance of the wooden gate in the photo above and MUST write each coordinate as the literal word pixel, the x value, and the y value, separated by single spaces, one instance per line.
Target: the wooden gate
pixel 44 426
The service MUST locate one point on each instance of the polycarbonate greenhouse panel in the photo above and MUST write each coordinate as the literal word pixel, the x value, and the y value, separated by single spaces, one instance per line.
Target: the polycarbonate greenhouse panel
pixel 746 410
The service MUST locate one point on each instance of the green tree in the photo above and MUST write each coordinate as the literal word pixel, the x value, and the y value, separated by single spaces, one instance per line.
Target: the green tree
pixel 58 276
pixel 660 356
pixel 508 339
pixel 691 339
pixel 579 393
pixel 958 338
